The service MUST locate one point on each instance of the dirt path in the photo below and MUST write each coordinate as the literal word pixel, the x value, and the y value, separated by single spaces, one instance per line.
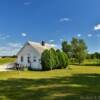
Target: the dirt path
pixel 5 67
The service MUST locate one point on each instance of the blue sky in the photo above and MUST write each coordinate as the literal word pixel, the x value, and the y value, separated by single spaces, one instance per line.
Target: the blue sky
pixel 49 20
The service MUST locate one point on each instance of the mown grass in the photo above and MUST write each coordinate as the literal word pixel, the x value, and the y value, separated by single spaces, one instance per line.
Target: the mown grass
pixel 7 60
pixel 92 61
pixel 74 83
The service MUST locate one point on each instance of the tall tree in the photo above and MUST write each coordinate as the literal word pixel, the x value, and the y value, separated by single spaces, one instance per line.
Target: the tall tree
pixel 66 48
pixel 79 49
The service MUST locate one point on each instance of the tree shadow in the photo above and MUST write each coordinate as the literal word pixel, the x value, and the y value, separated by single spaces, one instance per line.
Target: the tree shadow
pixel 91 65
pixel 57 88
pixel 96 65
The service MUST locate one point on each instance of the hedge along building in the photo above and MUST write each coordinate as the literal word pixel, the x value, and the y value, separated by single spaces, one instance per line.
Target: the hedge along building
pixel 30 54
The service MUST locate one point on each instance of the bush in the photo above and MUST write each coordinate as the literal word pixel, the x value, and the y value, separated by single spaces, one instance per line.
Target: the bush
pixel 46 61
pixel 59 55
pixel 52 59
pixel 63 59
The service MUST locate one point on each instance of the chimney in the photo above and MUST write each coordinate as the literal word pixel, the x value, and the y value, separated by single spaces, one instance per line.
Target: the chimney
pixel 43 43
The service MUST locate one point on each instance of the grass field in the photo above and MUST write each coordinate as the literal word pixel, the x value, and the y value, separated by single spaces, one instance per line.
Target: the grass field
pixel 6 60
pixel 74 83
pixel 92 62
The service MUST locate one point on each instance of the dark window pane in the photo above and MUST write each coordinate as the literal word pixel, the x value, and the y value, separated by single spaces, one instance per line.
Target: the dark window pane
pixel 21 58
pixel 28 59
pixel 34 60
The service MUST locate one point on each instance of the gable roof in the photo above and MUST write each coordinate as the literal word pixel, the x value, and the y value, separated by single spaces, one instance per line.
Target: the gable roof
pixel 37 46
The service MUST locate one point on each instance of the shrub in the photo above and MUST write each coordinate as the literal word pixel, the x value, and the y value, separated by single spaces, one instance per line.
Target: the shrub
pixel 46 61
pixel 63 59
pixel 52 59
pixel 59 55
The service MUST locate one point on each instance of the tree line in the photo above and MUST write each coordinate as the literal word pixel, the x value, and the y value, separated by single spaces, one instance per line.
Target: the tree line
pixel 94 56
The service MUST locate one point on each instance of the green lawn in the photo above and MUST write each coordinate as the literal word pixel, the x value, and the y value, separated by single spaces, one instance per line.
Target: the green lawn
pixel 92 62
pixel 6 60
pixel 74 83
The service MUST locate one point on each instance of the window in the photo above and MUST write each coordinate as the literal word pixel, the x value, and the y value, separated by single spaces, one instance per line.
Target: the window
pixel 28 59
pixel 21 58
pixel 34 60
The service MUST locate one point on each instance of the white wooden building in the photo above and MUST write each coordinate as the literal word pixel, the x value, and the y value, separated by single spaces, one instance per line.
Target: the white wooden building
pixel 30 54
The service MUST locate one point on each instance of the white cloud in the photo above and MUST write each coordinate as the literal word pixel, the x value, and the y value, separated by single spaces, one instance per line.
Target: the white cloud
pixel 97 27
pixel 53 45
pixel 27 3
pixel 4 36
pixel 79 35
pixel 15 45
pixel 65 19
pixel 57 46
pixel 10 49
pixel 90 35
pixel 51 41
pixel 24 34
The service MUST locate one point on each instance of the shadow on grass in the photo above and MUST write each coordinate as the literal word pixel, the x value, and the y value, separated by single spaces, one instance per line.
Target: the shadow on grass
pixel 59 88
pixel 91 65
pixel 98 65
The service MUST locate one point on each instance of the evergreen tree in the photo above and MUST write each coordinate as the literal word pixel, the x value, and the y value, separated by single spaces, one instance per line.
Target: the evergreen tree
pixel 54 57
pixel 63 59
pixel 46 60
pixel 66 61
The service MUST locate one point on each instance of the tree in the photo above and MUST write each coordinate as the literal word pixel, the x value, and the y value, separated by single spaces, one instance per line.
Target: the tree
pixel 82 51
pixel 79 50
pixel 49 59
pixel 63 59
pixel 46 60
pixel 66 48
pixel 54 58
pixel 58 52
pixel 97 57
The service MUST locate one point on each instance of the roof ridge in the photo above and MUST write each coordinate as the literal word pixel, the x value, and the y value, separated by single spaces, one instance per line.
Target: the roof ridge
pixel 38 44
